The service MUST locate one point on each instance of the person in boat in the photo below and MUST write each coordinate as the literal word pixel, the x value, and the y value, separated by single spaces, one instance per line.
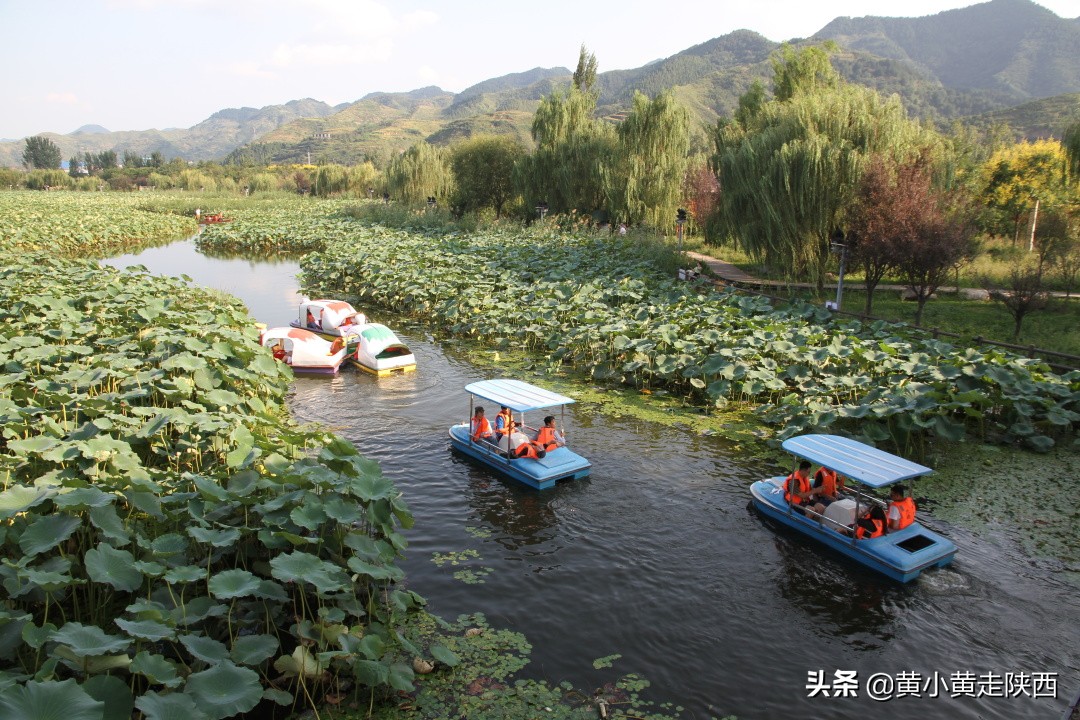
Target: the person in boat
pixel 797 490
pixel 503 422
pixel 872 524
pixel 516 444
pixel 337 345
pixel 901 511
pixel 279 350
pixel 827 486
pixel 481 428
pixel 548 437
pixel 311 320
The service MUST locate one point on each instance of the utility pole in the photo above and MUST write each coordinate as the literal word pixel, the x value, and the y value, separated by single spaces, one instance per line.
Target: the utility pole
pixel 1034 221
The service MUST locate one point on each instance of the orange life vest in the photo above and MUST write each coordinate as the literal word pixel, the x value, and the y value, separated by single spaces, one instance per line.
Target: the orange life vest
pixel 526 450
pixel 879 529
pixel 481 428
pixel 827 478
pixel 907 512
pixel 336 346
pixel 507 418
pixel 545 438
pixel 804 487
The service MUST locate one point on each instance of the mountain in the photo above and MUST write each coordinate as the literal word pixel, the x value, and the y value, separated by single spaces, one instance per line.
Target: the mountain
pixel 1013 47
pixel 976 61
pixel 211 139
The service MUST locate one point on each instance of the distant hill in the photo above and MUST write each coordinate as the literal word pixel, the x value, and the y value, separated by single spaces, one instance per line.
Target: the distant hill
pixel 981 61
pixel 211 139
pixel 1034 120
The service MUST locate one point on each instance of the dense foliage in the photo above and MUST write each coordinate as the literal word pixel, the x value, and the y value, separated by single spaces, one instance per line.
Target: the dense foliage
pixel 81 224
pixel 598 304
pixel 171 540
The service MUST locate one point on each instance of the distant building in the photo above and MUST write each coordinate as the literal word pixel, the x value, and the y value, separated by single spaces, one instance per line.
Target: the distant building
pixel 321 136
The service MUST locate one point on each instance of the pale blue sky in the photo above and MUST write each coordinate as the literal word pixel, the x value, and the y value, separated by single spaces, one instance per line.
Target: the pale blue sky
pixel 140 64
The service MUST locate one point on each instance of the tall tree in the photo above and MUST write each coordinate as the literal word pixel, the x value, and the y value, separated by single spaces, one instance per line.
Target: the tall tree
pixel 585 74
pixel 788 176
pixel 420 172
pixel 41 153
pixel 484 172
pixel 571 148
pixel 644 178
pixel 889 201
pixel 1070 140
pixel 1023 295
pixel 941 238
pixel 1018 176
pixel 807 70
pixel 73 166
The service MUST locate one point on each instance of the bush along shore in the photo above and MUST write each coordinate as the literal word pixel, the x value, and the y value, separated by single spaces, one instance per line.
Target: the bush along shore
pixel 172 541
pixel 599 304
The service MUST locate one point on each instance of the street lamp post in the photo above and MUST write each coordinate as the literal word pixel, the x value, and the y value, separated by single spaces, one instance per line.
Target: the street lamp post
pixel 837 245
pixel 541 210
pixel 680 220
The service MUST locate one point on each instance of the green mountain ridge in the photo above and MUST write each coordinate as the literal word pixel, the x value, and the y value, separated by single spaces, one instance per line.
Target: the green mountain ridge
pixel 992 62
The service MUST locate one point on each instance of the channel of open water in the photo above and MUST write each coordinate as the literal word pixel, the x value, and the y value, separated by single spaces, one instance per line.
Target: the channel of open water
pixel 659 558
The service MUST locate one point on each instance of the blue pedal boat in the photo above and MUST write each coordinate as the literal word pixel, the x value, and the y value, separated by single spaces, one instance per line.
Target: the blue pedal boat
pixel 520 397
pixel 902 554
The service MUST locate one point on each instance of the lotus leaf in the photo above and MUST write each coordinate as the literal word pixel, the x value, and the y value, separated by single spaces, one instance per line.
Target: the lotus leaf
pixel 146 629
pixel 232 584
pixel 208 650
pixel 114 692
pixel 49 701
pixel 46 532
pixel 175 706
pixel 88 640
pixel 301 662
pixel 106 564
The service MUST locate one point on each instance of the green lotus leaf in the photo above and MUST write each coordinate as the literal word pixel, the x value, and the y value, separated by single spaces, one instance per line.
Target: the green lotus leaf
pixel 253 649
pixel 47 532
pixel 184 575
pixel 197 610
pixel 88 640
pixel 209 488
pixel 401 677
pixel 106 519
pixel 206 649
pixel 225 690
pixel 309 516
pixel 375 572
pixel 168 545
pixel 343 511
pixel 371 672
pixel 49 701
pixel 278 696
pixel 148 502
pixel 19 498
pixel 444 655
pixel 270 590
pixel 146 629
pixel 35 636
pixel 83 498
pixel 221 398
pixel 175 706
pixel 156 669
pixel 36 444
pixel 106 564
pixel 302 567
pixel 114 692
pixel 217 538
pixel 232 584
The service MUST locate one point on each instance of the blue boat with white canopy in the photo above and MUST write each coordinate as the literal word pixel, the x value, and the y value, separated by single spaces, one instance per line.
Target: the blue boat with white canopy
pixel 901 554
pixel 560 463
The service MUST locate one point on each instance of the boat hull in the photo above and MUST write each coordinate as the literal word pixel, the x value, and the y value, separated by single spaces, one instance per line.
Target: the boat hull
pixel 900 555
pixel 384 371
pixel 559 464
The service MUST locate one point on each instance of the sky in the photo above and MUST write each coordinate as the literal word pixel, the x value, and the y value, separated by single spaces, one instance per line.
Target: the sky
pixel 142 64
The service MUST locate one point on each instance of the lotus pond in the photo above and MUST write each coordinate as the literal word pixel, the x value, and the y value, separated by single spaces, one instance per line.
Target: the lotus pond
pixel 653 567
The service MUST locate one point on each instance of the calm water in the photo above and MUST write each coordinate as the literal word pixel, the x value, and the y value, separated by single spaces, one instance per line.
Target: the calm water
pixel 659 558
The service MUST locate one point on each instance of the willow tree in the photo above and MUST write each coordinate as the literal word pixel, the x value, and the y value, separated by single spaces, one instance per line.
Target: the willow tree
pixel 643 179
pixel 484 172
pixel 420 172
pixel 571 146
pixel 789 170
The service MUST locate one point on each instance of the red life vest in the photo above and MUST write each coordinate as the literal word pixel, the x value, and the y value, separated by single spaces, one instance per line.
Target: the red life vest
pixel 481 428
pixel 545 438
pixel 804 487
pixel 907 512
pixel 279 352
pixel 879 529
pixel 827 480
